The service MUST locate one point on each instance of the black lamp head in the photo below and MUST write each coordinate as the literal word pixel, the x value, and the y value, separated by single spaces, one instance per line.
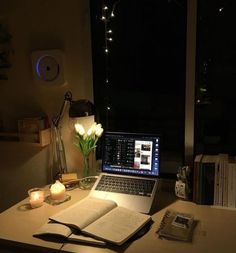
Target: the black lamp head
pixel 81 108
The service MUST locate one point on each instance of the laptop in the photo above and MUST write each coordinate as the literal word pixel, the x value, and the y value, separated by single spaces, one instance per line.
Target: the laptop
pixel 130 170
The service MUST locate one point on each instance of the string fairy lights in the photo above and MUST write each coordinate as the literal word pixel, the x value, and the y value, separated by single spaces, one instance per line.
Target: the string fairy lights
pixel 108 14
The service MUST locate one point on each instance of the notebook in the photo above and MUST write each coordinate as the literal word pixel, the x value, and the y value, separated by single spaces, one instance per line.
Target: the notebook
pixel 130 170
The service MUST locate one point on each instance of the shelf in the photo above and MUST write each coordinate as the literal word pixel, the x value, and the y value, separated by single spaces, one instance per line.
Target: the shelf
pixel 41 139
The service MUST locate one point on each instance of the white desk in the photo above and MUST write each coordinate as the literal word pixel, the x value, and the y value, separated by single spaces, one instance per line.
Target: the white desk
pixel 215 231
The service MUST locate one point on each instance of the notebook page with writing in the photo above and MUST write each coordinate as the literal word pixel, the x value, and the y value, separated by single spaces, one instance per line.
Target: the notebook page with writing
pixel 118 225
pixel 84 212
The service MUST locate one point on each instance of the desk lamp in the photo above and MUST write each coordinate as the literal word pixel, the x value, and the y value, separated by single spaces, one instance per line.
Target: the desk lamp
pixel 77 109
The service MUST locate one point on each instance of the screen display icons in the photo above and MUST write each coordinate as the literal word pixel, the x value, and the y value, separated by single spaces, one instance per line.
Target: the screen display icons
pixel 131 153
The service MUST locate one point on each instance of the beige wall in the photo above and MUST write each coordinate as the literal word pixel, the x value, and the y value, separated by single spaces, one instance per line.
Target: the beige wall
pixel 54 24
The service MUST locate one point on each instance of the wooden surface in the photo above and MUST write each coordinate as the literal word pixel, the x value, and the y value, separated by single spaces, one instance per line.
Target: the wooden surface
pixel 215 231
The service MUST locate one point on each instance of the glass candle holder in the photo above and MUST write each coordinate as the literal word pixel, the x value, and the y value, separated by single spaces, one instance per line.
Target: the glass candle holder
pixel 36 197
pixel 57 191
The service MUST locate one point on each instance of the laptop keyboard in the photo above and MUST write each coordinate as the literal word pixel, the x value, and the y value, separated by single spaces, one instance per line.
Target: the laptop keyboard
pixel 141 187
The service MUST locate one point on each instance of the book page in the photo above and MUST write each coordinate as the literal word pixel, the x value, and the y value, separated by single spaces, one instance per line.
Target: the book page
pixel 85 239
pixel 54 229
pixel 118 225
pixel 84 212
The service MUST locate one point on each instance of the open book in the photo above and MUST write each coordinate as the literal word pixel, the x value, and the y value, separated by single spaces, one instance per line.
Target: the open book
pixel 98 218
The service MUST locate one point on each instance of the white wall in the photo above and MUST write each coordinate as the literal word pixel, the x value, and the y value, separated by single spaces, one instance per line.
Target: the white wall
pixel 42 25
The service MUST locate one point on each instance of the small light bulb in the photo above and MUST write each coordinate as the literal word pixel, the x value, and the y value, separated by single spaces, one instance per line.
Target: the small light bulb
pixel 112 14
pixel 221 9
pixel 105 8
pixel 110 39
pixel 106 50
pixel 107 81
pixel 108 108
pixel 109 31
pixel 103 18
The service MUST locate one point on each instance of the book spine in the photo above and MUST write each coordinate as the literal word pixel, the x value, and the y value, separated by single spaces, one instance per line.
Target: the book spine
pixel 234 185
pixel 208 183
pixel 201 184
pixel 197 165
pixel 221 181
pixel 216 185
pixel 223 160
pixel 225 184
pixel 198 185
pixel 195 180
pixel 231 201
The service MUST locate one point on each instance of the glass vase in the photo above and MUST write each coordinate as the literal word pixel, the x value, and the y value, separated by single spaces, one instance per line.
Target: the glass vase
pixel 86 168
pixel 87 180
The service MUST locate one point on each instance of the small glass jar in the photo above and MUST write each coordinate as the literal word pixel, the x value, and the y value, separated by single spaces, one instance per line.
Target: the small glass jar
pixel 36 197
pixel 57 191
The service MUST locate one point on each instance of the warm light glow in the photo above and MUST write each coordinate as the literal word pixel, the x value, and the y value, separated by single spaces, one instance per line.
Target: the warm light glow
pixel 105 8
pixel 103 18
pixel 79 129
pixel 108 16
pixel 36 197
pixel 203 89
pixel 98 130
pixel 57 191
pixel 221 9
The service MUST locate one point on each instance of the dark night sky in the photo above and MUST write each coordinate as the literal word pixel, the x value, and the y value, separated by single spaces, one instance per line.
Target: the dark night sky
pixel 148 44
pixel 145 67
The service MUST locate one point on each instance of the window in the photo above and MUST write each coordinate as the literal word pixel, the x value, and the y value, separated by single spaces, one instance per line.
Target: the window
pixel 139 70
pixel 215 129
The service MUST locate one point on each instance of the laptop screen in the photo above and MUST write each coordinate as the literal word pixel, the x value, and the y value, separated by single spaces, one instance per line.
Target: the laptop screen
pixel 131 153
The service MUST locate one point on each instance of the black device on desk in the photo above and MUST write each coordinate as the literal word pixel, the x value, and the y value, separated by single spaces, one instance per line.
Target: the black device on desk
pixel 130 169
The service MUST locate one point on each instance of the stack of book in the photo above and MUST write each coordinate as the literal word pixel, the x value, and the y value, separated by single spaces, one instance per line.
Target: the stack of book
pixel 214 180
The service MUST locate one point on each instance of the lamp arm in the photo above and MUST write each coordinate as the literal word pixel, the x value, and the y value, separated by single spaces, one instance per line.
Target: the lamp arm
pixel 59 145
pixel 67 99
pixel 60 152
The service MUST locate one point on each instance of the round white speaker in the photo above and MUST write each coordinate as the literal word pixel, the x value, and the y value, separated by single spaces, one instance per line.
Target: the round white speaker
pixel 48 67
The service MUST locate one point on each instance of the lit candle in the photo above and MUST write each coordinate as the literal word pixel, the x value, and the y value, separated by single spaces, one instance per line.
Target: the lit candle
pixel 36 197
pixel 57 191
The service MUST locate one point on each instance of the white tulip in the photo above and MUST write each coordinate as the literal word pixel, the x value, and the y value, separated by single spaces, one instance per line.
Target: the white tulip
pixel 92 129
pixel 99 130
pixel 79 129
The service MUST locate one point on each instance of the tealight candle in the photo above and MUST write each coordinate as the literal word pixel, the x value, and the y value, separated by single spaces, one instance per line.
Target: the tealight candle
pixel 36 197
pixel 57 191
